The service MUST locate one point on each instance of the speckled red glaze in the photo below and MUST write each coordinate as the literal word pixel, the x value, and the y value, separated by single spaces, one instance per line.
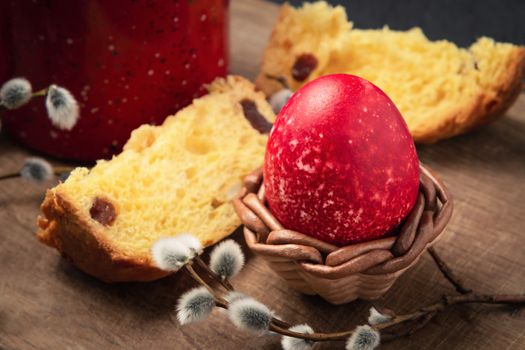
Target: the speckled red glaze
pixel 340 164
pixel 126 62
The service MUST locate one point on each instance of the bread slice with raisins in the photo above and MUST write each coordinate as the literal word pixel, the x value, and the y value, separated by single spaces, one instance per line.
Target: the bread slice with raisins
pixel 169 179
pixel 440 89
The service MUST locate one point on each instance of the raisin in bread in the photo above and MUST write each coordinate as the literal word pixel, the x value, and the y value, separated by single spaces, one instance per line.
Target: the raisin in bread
pixel 440 89
pixel 177 177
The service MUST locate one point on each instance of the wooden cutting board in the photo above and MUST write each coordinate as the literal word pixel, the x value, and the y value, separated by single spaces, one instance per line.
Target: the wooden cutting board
pixel 45 303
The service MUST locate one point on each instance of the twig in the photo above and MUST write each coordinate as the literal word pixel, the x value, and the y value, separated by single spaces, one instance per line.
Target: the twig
pixel 57 171
pixel 280 323
pixel 421 317
pixel 62 169
pixel 41 92
pixel 447 272
pixel 9 176
pixel 311 336
pixel 221 302
pixel 280 79
pixel 484 299
pixel 454 300
pixel 422 322
pixel 197 278
pixel 218 298
pixel 425 314
pixel 224 282
pixel 410 329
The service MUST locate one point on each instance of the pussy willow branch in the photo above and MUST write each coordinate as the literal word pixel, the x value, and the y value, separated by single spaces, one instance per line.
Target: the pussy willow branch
pixel 434 308
pixel 9 176
pixel 407 328
pixel 218 298
pixel 280 79
pixel 221 302
pixel 423 315
pixel 419 319
pixel 197 278
pixel 228 286
pixel 224 282
pixel 57 170
pixel 412 326
pixel 449 300
pixel 42 92
pixel 448 273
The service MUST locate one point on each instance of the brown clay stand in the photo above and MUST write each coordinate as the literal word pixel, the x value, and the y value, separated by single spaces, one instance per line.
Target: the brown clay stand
pixel 342 274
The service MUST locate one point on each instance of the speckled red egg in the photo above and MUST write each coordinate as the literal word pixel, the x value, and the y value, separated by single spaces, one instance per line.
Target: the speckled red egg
pixel 340 164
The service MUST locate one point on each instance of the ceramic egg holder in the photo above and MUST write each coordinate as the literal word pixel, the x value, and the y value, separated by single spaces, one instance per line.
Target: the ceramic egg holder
pixel 342 274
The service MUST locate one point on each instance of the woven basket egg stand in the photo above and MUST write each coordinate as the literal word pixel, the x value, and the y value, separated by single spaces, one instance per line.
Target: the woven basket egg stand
pixel 342 274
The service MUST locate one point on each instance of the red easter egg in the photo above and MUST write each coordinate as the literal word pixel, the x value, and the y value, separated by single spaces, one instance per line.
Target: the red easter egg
pixel 340 163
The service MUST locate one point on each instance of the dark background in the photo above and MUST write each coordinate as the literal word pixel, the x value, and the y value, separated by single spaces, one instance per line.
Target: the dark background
pixel 461 21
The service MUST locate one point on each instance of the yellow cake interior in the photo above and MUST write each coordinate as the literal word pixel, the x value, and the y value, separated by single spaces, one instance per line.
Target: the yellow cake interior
pixel 431 82
pixel 178 177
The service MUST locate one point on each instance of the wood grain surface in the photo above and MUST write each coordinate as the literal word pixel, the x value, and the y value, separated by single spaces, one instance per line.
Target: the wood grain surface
pixel 45 303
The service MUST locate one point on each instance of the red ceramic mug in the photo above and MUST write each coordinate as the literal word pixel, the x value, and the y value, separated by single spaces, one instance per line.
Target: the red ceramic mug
pixel 126 62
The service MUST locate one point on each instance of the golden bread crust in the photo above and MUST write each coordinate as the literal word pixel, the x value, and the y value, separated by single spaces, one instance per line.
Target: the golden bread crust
pixel 67 229
pixel 67 224
pixel 488 106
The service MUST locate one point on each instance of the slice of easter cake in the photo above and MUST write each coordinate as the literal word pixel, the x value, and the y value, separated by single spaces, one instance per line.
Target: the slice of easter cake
pixel 441 90
pixel 177 177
